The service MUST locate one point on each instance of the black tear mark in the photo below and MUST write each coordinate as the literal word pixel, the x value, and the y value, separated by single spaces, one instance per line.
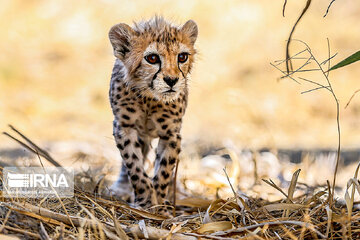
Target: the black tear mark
pixel 181 70
pixel 154 77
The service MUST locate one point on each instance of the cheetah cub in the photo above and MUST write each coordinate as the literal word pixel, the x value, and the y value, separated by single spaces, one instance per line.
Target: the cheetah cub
pixel 148 96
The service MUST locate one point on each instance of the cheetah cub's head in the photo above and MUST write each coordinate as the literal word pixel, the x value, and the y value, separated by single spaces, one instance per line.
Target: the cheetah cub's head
pixel 158 56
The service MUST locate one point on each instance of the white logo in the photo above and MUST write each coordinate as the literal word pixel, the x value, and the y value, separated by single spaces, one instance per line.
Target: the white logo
pixel 18 180
pixel 36 182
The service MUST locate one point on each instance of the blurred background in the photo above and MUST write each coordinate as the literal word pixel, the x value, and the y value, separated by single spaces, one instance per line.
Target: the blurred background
pixel 56 62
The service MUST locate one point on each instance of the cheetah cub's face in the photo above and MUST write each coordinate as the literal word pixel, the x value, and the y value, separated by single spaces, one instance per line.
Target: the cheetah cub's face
pixel 158 56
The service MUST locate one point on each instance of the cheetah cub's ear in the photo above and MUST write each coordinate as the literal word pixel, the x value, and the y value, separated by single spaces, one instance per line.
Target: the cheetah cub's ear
pixel 120 37
pixel 191 30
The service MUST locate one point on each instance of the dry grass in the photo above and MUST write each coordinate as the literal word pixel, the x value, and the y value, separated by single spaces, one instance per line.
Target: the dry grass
pixel 302 212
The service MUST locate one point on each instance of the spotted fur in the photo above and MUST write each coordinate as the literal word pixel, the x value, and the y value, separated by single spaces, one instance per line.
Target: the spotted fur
pixel 149 101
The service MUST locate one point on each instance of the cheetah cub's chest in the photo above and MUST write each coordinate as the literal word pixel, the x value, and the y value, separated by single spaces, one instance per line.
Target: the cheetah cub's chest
pixel 164 119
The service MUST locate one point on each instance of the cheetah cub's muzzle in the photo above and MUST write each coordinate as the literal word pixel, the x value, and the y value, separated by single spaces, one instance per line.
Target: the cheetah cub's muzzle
pixel 148 96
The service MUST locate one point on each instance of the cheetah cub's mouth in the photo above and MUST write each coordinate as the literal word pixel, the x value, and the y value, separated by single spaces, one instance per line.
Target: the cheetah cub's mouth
pixel 169 95
pixel 157 55
pixel 170 91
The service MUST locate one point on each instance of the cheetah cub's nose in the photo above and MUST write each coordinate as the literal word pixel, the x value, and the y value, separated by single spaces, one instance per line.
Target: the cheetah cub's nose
pixel 170 81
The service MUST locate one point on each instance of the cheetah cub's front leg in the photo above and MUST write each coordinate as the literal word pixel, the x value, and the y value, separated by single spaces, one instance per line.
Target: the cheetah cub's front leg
pixel 166 157
pixel 169 147
pixel 127 140
pixel 148 96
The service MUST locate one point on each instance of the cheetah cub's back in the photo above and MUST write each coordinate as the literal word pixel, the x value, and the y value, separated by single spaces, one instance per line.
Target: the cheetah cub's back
pixel 148 96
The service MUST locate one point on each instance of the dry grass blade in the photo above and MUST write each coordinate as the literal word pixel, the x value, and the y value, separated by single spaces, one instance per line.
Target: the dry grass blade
pixel 215 227
pixel 110 235
pixel 292 186
pixel 40 150
pixel 283 72
pixel 312 90
pixel 284 7
pixel 295 56
pixel 194 202
pixel 352 96
pixel 238 201
pixel 315 83
pixel 214 206
pixel 314 198
pixel 43 234
pixel 100 208
pixel 45 219
pixel 288 233
pixel 328 60
pixel 97 225
pixel 24 232
pixel 329 213
pixel 43 212
pixel 291 190
pixel 288 59
pixel 328 8
pixel 33 147
pixel 20 142
pixel 5 220
pixel 349 199
pixel 143 228
pixel 272 184
pixel 119 231
pixel 284 206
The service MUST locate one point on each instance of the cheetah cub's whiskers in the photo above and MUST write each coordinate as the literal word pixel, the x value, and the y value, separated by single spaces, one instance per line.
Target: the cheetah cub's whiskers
pixel 148 96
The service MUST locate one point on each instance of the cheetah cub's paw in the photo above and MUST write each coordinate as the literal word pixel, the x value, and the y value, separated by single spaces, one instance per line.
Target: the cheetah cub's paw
pixel 166 209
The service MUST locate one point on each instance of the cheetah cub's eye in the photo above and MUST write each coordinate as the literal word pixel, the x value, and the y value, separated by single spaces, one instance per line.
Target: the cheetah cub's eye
pixel 152 58
pixel 183 57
